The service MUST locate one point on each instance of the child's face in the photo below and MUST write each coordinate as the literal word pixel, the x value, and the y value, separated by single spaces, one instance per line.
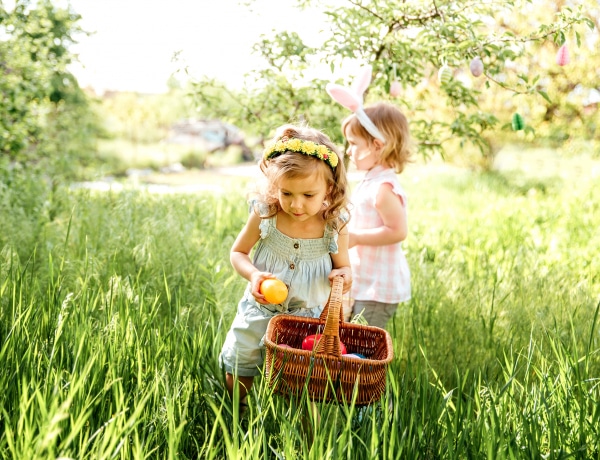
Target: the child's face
pixel 302 197
pixel 363 153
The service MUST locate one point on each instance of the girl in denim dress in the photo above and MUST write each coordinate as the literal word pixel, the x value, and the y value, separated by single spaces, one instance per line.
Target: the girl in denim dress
pixel 296 232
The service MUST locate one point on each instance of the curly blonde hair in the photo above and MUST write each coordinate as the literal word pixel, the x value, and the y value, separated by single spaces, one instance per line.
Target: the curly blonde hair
pixel 290 164
pixel 392 123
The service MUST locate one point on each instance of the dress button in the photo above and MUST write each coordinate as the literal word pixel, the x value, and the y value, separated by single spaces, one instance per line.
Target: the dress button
pixel 292 266
pixel 296 245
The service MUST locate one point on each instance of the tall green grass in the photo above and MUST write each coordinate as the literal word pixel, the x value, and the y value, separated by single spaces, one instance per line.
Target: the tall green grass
pixel 114 308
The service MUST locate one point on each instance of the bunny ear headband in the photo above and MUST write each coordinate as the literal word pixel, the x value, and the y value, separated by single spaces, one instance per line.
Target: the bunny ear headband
pixel 352 98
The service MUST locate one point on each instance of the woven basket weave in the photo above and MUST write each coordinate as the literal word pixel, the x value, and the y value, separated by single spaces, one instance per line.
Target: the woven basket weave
pixel 324 373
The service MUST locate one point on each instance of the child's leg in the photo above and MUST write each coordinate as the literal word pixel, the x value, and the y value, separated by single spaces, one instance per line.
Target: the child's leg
pixel 376 313
pixel 243 351
pixel 243 387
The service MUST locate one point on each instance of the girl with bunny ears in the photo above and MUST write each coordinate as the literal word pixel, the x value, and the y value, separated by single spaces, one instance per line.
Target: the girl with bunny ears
pixel 378 140
pixel 296 231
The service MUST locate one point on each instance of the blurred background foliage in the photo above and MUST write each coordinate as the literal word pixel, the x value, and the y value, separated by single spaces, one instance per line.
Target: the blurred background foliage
pixel 46 120
pixel 50 124
pixel 466 118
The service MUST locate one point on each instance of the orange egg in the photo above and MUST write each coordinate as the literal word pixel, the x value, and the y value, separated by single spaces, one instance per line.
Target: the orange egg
pixel 274 290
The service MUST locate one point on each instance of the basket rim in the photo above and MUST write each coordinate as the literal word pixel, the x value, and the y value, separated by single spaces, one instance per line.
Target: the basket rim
pixel 269 343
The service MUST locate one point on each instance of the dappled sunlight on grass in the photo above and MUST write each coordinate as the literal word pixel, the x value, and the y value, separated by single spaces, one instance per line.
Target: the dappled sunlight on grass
pixel 114 307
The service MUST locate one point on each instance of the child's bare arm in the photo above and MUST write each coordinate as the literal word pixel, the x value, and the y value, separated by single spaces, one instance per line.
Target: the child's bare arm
pixel 240 256
pixel 341 261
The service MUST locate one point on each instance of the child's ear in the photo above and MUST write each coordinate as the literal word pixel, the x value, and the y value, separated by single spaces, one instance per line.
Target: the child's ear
pixel 378 144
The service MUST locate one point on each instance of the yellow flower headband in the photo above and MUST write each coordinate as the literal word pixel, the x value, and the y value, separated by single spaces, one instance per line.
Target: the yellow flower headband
pixel 305 147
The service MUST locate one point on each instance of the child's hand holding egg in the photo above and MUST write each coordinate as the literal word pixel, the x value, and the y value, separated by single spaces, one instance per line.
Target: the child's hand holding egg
pixel 274 290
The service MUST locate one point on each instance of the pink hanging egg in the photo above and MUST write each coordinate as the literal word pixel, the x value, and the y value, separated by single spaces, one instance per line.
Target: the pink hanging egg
pixel 476 66
pixel 562 57
pixel 395 88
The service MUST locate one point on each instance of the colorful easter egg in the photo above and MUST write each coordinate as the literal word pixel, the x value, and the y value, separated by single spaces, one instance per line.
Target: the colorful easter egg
pixel 343 348
pixel 476 66
pixel 280 353
pixel 355 355
pixel 445 74
pixel 310 342
pixel 395 88
pixel 562 56
pixel 517 122
pixel 274 290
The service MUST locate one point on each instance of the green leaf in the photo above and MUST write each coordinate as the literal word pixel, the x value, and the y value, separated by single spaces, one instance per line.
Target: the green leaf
pixel 544 94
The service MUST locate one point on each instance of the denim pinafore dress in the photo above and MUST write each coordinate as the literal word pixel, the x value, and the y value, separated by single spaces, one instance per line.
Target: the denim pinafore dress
pixel 304 266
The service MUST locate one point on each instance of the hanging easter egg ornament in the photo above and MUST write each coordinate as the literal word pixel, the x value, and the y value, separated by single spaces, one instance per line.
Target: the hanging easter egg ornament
pixel 476 66
pixel 562 57
pixel 395 87
pixel 517 122
pixel 444 74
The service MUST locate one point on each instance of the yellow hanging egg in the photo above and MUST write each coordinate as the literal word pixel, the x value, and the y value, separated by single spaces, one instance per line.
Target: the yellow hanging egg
pixel 444 74
pixel 517 122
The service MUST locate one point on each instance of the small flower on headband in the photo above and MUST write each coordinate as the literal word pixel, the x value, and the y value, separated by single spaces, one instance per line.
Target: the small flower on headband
pixel 300 146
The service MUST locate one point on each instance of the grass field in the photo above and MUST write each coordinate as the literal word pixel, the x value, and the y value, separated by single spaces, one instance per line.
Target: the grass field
pixel 114 307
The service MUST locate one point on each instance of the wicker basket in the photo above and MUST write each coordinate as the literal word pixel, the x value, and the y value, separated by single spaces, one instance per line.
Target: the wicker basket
pixel 324 373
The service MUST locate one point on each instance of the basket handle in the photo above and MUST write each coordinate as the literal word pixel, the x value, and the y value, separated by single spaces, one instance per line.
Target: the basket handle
pixel 330 340
pixel 336 293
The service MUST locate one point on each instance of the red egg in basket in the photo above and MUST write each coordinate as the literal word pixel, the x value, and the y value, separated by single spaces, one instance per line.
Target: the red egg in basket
pixel 311 341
